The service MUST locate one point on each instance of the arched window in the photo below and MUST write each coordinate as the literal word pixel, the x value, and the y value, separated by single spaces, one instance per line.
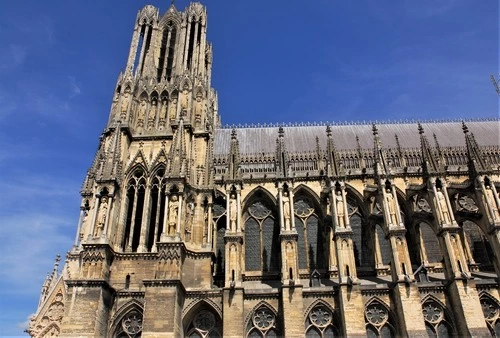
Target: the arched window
pixel 319 323
pixel 136 188
pixel 378 321
pixel 204 325
pixel 477 245
pixel 491 311
pixel 262 245
pixel 263 323
pixel 383 245
pixel 437 323
pixel 157 208
pixel 310 233
pixel 130 326
pixel 429 244
pixel 360 237
pixel 219 222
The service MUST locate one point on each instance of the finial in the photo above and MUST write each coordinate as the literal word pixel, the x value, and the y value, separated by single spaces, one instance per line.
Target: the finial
pixel 464 127
pixel 420 129
pixel 374 129
pixel 328 131
pixel 233 134
pixel 281 132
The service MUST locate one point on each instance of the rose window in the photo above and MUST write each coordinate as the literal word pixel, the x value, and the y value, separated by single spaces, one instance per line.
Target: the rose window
pixel 432 312
pixel 376 314
pixel 263 319
pixel 320 317
pixel 490 309
pixel 204 321
pixel 132 323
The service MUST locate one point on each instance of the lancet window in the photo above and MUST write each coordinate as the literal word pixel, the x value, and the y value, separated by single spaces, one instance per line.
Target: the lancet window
pixel 429 244
pixel 310 233
pixel 262 248
pixel 263 324
pixel 320 323
pixel 136 189
pixel 167 51
pixel 378 321
pixel 156 208
pixel 219 215
pixel 477 248
pixel 143 44
pixel 437 323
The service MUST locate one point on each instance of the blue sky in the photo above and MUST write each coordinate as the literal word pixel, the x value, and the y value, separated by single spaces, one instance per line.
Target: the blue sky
pixel 274 61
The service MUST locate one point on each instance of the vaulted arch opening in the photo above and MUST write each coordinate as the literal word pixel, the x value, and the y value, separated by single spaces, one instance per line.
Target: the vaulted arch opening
pixel 262 244
pixel 312 235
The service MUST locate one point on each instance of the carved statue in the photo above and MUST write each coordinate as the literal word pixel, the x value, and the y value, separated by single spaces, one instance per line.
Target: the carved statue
pixel 391 205
pixel 184 102
pixel 492 201
pixel 198 108
pixel 286 210
pixel 189 220
pixel 339 203
pixel 172 109
pixel 101 217
pixel 124 105
pixel 152 114
pixel 163 111
pixel 173 208
pixel 142 110
pixel 441 202
pixel 233 212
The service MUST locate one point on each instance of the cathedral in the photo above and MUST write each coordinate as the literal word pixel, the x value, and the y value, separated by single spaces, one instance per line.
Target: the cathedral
pixel 191 229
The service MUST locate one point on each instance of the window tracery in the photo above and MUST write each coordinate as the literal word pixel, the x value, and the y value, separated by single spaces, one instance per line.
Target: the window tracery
pixel 204 325
pixel 377 321
pixel 130 325
pixel 491 311
pixel 262 247
pixel 319 323
pixel 436 322
pixel 310 233
pixel 262 324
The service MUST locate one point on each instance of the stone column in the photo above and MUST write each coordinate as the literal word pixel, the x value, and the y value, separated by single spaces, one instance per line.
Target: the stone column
pixel 164 230
pixel 132 223
pixel 238 212
pixel 79 227
pixel 106 224
pixel 292 211
pixel 145 220
pixel 280 205
pixel 179 213
pixel 96 212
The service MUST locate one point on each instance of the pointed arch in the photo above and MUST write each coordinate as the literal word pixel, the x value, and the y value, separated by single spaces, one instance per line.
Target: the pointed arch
pixel 320 320
pixel 132 307
pixel 379 319
pixel 355 196
pixel 202 318
pixel 318 302
pixel 139 160
pixel 313 240
pixel 262 228
pixel 263 320
pixel 256 192
pixel 477 247
pixel 437 316
pixel 302 188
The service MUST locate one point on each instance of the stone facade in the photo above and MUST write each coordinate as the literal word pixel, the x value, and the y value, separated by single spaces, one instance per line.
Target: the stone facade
pixel 191 229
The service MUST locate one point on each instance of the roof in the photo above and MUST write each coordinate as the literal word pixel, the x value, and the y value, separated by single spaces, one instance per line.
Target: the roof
pixel 298 139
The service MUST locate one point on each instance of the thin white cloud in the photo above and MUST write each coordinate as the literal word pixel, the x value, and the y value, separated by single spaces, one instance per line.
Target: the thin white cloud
pixel 74 87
